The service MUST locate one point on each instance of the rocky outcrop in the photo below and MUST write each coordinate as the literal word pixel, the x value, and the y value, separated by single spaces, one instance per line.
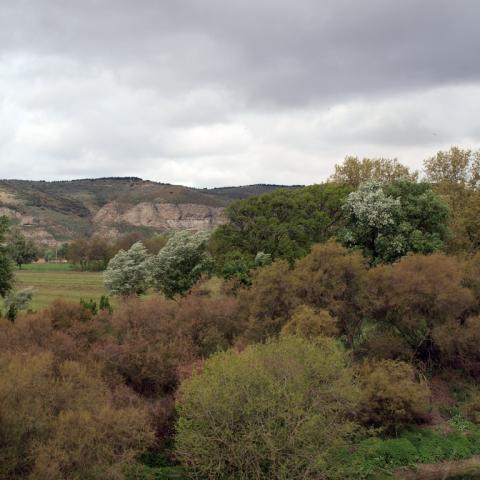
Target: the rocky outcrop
pixel 161 216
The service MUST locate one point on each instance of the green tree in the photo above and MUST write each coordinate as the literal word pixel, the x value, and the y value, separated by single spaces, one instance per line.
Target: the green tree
pixel 6 270
pixel 21 249
pixel 275 411
pixel 180 263
pixel 387 221
pixel 284 223
pixel 354 171
pixel 129 272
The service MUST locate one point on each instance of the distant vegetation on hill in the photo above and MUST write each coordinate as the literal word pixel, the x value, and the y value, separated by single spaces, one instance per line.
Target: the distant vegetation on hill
pixel 62 210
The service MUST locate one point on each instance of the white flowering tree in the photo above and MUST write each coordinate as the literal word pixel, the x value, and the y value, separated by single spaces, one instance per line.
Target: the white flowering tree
pixel 370 214
pixel 388 221
pixel 181 262
pixel 129 272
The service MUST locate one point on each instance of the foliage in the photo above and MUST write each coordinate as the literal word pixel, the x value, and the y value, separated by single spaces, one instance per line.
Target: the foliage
pixel 458 345
pixel 375 456
pixel 284 223
pixel 308 323
pixel 416 294
pixel 270 301
pixel 129 272
pixel 387 221
pixel 180 263
pixel 267 412
pixel 354 171
pixel 61 422
pixel 90 254
pixel 392 397
pixel 470 408
pixel 6 270
pixel 17 300
pixel 332 278
pixel 455 175
pixel 21 249
pixel 150 340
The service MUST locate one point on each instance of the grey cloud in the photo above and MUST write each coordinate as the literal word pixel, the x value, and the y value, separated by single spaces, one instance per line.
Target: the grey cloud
pixel 211 92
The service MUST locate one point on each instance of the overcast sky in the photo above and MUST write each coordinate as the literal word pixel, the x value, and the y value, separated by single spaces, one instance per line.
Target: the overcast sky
pixel 229 92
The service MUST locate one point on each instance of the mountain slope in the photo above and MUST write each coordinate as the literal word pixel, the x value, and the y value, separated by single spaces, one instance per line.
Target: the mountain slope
pixel 52 212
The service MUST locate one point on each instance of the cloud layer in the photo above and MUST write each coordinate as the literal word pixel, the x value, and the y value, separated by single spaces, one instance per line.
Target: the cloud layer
pixel 208 92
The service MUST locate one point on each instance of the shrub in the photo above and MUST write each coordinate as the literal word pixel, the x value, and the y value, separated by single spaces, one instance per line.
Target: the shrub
pixel 269 302
pixel 458 345
pixel 145 346
pixel 309 323
pixel 470 408
pixel 273 411
pixel 332 278
pixel 61 423
pixel 416 294
pixel 391 396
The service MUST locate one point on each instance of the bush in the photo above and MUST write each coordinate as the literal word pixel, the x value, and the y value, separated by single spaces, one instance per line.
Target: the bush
pixel 470 408
pixel 61 422
pixel 309 323
pixel 391 396
pixel 273 411
pixel 458 345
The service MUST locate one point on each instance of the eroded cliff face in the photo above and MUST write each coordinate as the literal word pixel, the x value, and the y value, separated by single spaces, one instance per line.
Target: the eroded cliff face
pixel 160 216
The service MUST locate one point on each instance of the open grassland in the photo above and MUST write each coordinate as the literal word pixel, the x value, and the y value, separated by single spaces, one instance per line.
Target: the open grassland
pixel 53 281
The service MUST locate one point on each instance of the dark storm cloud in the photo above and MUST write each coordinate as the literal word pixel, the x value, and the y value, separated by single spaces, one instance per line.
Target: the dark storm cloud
pixel 284 52
pixel 88 86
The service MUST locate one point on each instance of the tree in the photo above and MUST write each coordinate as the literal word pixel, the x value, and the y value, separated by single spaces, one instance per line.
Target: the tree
pixel 454 167
pixel 387 221
pixel 354 171
pixel 129 272
pixel 455 176
pixel 6 270
pixel 275 411
pixel 332 278
pixel 284 223
pixel 17 300
pixel 180 263
pixel 415 295
pixel 22 250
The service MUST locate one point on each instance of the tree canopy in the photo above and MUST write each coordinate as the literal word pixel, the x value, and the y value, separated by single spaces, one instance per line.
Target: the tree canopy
pixel 387 221
pixel 284 223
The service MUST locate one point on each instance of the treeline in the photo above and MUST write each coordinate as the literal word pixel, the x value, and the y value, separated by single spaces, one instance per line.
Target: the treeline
pixel 308 338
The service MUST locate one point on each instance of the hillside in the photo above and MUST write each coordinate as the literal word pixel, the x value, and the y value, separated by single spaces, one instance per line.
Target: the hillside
pixel 52 212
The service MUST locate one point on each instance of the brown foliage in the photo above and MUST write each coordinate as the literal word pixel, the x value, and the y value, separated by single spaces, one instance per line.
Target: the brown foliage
pixel 459 345
pixel 269 302
pixel 61 422
pixel 415 295
pixel 391 395
pixel 332 278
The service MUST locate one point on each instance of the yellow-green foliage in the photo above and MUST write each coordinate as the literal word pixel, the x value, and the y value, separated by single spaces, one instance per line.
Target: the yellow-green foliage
pixel 309 323
pixel 391 395
pixel 274 411
pixel 59 422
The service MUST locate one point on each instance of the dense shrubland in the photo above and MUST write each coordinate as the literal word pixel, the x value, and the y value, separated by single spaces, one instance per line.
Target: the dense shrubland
pixel 329 332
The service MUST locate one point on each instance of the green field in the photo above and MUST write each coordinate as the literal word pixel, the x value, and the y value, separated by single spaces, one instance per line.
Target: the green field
pixel 51 281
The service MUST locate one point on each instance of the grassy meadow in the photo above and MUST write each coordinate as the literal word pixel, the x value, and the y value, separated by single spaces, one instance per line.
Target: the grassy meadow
pixel 51 281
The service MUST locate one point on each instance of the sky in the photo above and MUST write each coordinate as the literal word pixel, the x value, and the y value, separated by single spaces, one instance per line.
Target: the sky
pixel 228 92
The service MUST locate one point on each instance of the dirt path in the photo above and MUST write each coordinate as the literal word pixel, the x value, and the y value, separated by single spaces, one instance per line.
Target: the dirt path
pixel 443 470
